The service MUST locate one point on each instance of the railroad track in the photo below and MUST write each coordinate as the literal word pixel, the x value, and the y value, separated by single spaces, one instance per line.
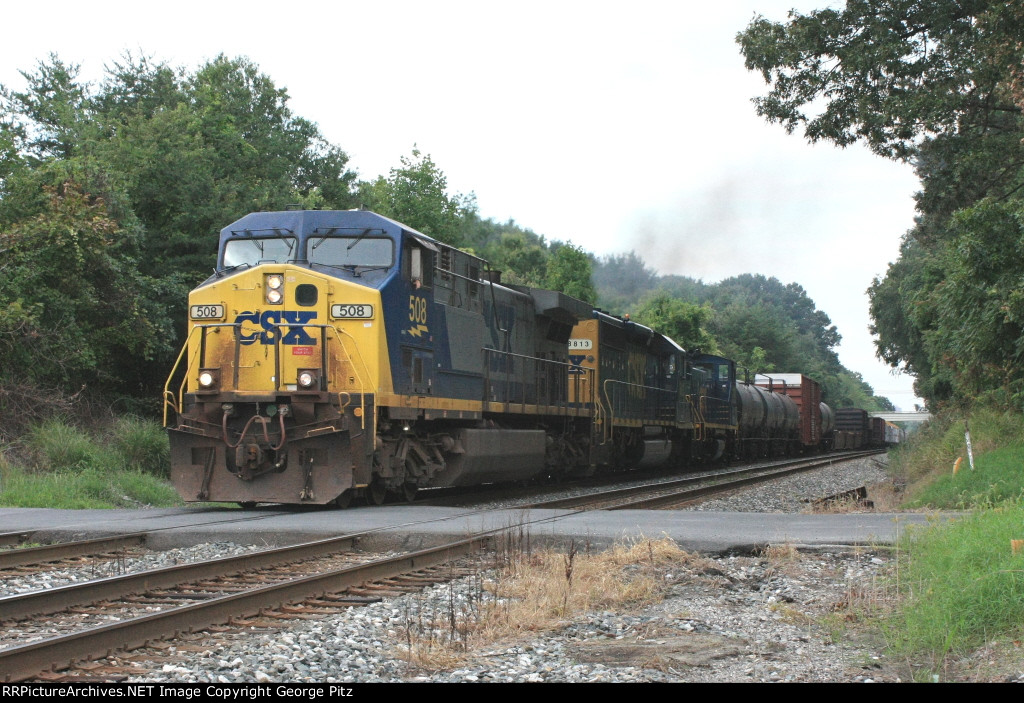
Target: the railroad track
pixel 198 596
pixel 338 586
pixel 678 492
pixel 15 560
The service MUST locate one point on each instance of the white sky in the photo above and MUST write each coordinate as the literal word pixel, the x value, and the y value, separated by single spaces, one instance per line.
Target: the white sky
pixel 616 126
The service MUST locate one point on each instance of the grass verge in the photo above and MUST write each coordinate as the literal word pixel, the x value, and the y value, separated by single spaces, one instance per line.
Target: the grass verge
pixel 961 584
pixel 59 465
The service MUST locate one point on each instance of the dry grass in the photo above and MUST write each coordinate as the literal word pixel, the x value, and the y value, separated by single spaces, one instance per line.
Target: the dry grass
pixel 777 554
pixel 531 591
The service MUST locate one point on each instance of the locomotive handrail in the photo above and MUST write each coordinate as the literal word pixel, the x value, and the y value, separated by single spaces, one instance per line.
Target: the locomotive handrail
pixel 564 404
pixel 611 409
pixel 362 388
pixel 170 377
pixel 698 414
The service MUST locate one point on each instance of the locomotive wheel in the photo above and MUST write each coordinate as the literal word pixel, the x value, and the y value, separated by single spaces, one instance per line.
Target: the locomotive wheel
pixel 377 491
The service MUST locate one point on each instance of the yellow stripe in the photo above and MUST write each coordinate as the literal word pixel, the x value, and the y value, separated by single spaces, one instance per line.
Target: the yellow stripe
pixel 420 402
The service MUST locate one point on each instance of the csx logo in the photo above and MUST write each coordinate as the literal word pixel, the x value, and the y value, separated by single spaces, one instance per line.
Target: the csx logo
pixel 293 332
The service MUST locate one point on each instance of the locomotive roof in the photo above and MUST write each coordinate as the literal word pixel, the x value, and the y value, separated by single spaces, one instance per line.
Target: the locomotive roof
pixel 307 222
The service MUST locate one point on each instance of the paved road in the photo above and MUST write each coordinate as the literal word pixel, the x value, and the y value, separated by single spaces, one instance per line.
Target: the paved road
pixel 412 526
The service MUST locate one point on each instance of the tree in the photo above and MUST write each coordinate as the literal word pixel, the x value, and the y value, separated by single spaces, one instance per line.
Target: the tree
pixel 886 72
pixel 169 157
pixel 416 194
pixel 684 322
pixel 74 310
pixel 569 271
pixel 940 84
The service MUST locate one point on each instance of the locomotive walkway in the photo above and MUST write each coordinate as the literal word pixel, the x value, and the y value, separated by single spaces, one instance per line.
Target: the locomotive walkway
pixel 412 526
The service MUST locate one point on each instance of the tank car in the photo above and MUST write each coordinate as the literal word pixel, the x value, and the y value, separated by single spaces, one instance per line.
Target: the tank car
pixel 805 393
pixel 335 354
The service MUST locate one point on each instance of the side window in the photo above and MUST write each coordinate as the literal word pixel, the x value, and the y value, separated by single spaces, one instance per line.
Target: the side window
pixel 419 270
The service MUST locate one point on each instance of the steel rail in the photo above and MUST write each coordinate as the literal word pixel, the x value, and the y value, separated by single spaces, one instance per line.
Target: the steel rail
pixel 9 538
pixel 626 493
pixel 26 661
pixel 686 496
pixel 54 600
pixel 63 550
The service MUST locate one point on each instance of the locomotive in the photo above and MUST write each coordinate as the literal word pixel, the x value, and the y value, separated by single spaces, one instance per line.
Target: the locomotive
pixel 341 354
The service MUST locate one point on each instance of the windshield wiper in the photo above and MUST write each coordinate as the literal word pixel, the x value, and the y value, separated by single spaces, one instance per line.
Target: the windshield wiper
pixel 358 239
pixel 226 269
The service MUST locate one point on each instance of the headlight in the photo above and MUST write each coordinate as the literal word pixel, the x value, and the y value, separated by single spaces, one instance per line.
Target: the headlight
pixel 307 378
pixel 208 378
pixel 274 284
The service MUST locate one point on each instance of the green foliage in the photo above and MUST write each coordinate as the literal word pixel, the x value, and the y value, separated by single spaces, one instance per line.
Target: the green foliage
pixel 764 325
pixel 141 445
pixel 962 586
pixel 569 271
pixel 73 306
pixel 686 323
pixel 925 461
pixel 416 195
pixel 131 444
pixel 995 479
pixel 111 196
pixel 940 84
pixel 880 71
pixel 622 280
pixel 55 446
pixel 89 488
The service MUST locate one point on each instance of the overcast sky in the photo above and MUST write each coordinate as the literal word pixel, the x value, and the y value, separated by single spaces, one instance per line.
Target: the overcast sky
pixel 617 126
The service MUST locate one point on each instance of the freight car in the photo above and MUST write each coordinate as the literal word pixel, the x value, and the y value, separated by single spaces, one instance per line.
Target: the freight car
pixel 341 354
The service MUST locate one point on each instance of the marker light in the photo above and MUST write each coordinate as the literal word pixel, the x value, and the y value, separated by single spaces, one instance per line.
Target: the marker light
pixel 307 378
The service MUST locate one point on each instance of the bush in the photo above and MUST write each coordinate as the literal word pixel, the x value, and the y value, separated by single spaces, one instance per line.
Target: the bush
pixel 142 445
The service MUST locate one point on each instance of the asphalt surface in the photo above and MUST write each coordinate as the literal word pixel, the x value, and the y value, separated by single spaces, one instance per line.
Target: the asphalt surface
pixel 412 526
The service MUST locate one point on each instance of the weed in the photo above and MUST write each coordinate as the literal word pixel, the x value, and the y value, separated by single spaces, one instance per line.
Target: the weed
pixel 535 590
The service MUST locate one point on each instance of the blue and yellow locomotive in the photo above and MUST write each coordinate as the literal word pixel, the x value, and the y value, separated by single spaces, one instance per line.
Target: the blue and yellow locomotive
pixel 342 353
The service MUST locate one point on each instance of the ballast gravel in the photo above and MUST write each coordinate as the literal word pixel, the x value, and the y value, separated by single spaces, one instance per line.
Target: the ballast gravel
pixel 724 618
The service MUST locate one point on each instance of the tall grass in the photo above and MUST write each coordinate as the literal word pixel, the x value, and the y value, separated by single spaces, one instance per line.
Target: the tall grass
pixel 86 488
pixel 930 453
pixel 60 465
pixel 536 590
pixel 962 584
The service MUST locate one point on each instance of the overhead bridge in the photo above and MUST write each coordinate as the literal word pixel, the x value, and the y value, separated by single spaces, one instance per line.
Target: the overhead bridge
pixel 922 416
